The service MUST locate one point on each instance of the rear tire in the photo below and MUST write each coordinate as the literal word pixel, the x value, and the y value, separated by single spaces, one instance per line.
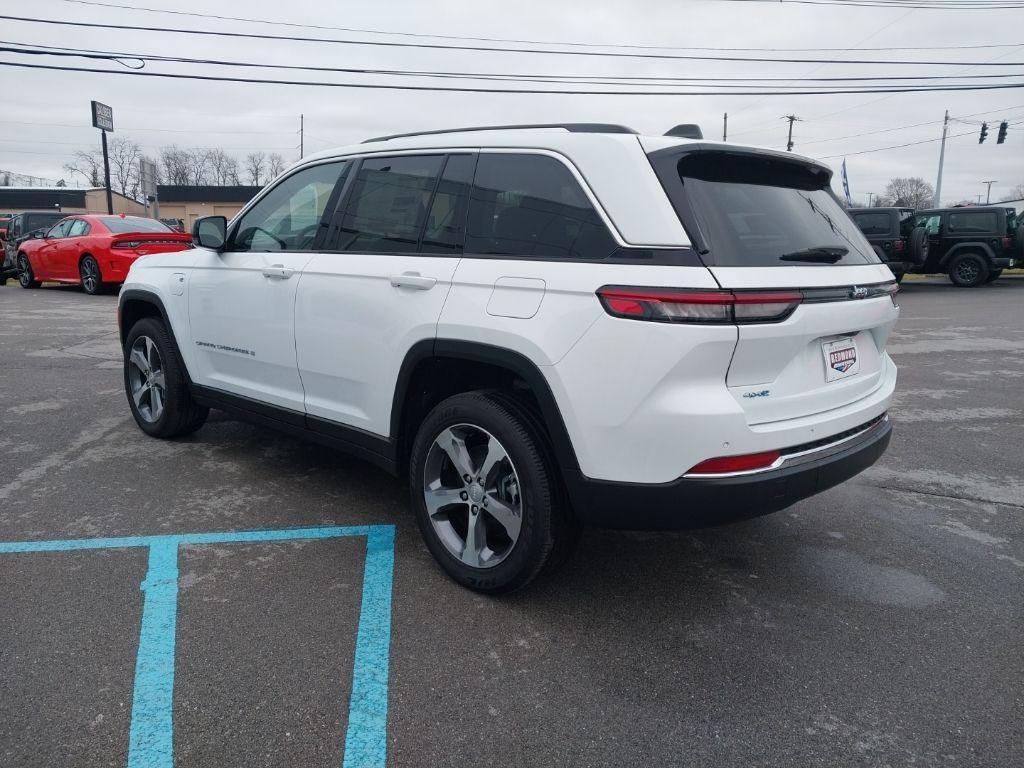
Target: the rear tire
pixel 89 274
pixel 26 277
pixel 530 533
pixel 155 384
pixel 968 270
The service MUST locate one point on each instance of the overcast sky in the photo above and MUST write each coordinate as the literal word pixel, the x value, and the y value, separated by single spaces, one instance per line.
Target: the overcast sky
pixel 44 115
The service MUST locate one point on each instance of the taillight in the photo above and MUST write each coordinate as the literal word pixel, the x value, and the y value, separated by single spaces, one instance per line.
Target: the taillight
pixel 898 246
pixel 1007 243
pixel 724 465
pixel 668 305
pixel 126 244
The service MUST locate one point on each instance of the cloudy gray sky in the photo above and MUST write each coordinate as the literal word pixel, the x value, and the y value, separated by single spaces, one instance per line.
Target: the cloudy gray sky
pixel 44 115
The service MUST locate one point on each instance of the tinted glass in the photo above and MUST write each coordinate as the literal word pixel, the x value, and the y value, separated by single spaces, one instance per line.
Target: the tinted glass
pixel 872 223
pixel 33 221
pixel 759 211
pixel 387 206
pixel 288 217
pixel 120 225
pixel 966 222
pixel 531 205
pixel 446 220
pixel 78 228
pixel 929 221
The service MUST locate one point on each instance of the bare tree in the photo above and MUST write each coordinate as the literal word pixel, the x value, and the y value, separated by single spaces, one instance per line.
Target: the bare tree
pixel 275 164
pixel 123 154
pixel 908 192
pixel 198 162
pixel 174 165
pixel 255 166
pixel 1017 193
pixel 88 165
pixel 223 167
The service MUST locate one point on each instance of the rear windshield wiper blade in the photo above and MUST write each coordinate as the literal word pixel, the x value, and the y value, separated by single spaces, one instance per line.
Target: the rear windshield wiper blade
pixel 824 254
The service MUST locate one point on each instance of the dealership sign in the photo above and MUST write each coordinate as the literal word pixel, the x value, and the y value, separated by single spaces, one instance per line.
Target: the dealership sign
pixel 102 117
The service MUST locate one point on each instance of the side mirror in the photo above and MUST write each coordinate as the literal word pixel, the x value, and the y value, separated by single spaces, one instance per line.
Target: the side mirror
pixel 210 232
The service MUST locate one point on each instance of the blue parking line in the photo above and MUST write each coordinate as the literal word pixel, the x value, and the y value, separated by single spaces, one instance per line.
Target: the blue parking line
pixel 151 731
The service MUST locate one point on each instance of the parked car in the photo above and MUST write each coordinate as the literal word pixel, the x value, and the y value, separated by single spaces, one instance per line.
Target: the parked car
pixel 19 228
pixel 93 251
pixel 538 327
pixel 973 245
pixel 894 236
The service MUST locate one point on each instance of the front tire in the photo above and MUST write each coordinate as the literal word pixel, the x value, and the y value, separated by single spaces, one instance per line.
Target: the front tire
pixel 485 492
pixel 968 270
pixel 26 277
pixel 89 273
pixel 154 382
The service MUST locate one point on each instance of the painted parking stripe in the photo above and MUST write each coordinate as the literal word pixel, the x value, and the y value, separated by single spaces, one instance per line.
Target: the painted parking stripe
pixel 151 731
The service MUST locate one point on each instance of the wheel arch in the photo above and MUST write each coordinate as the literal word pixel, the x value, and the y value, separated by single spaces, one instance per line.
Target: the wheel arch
pixel 435 369
pixel 984 249
pixel 134 304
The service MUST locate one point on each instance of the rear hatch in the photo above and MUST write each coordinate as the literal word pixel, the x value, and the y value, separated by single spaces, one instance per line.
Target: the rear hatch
pixel 767 221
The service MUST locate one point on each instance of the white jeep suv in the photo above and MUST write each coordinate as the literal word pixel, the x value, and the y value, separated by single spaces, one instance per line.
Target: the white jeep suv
pixel 538 326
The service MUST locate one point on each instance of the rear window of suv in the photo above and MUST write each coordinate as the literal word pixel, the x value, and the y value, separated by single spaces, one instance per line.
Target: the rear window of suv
pixel 872 223
pixel 756 211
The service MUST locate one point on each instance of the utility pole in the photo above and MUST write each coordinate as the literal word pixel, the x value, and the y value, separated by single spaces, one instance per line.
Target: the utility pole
pixel 988 195
pixel 302 134
pixel 725 125
pixel 870 195
pixel 789 142
pixel 937 200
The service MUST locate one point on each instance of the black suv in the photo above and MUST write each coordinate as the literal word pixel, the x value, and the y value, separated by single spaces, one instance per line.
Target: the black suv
pixel 973 244
pixel 19 228
pixel 895 237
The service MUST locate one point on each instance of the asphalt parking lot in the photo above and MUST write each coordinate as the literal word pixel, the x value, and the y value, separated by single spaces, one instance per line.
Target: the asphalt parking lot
pixel 879 624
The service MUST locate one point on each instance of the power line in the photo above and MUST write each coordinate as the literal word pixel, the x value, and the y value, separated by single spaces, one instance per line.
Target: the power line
pixel 525 91
pixel 136 128
pixel 491 49
pixel 957 5
pixel 904 127
pixel 901 146
pixel 511 41
pixel 647 80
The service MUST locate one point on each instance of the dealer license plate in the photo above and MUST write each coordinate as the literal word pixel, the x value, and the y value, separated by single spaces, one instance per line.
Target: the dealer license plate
pixel 841 359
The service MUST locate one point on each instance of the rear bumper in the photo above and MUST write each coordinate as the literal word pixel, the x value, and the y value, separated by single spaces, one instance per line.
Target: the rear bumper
pixel 1006 263
pixel 700 502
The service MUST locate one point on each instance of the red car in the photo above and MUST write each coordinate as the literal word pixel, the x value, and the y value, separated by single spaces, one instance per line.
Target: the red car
pixel 93 250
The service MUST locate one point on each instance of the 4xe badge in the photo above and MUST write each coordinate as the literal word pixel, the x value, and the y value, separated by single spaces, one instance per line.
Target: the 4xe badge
pixel 841 359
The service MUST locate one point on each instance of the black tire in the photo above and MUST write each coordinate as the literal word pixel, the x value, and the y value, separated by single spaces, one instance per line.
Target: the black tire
pixel 968 270
pixel 26 277
pixel 90 275
pixel 1020 245
pixel 899 277
pixel 546 532
pixel 179 414
pixel 917 245
pixel 993 275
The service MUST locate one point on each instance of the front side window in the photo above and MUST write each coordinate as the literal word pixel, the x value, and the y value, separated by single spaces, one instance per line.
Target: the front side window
pixel 78 228
pixel 288 217
pixel 972 222
pixel 527 205
pixel 758 211
pixel 61 229
pixel 872 223
pixel 387 207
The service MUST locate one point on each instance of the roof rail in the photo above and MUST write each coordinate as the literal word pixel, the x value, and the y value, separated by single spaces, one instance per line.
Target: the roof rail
pixel 570 127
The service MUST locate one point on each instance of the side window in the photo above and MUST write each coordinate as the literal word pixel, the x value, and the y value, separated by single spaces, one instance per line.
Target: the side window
pixel 930 223
pixel 61 228
pixel 531 205
pixel 288 217
pixel 972 222
pixel 79 227
pixel 14 228
pixel 387 206
pixel 446 220
pixel 873 223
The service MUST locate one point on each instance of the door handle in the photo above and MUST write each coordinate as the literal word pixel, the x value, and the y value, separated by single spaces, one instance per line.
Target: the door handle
pixel 413 280
pixel 278 272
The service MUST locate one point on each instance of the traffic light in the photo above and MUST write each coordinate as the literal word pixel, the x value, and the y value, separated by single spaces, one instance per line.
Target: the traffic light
pixel 1002 132
pixel 984 133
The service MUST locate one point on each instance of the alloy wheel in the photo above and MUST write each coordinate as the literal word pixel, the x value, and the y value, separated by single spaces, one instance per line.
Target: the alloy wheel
pixel 24 272
pixel 146 379
pixel 90 275
pixel 968 271
pixel 473 496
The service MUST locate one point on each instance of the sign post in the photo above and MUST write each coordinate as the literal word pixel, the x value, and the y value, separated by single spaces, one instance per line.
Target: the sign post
pixel 103 118
pixel 147 173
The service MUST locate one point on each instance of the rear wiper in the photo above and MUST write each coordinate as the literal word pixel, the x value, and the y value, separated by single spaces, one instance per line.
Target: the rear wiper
pixel 823 254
